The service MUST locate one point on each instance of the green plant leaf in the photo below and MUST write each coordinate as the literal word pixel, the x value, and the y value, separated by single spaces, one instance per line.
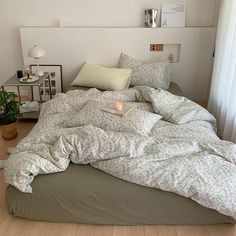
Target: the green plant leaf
pixel 9 107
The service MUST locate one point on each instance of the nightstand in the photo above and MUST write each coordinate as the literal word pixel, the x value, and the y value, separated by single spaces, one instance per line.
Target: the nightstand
pixel 14 81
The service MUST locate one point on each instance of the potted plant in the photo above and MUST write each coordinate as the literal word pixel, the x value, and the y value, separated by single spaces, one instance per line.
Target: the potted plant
pixel 9 114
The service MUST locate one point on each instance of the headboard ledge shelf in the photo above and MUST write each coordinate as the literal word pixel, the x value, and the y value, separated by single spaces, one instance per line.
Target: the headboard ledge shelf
pixel 71 46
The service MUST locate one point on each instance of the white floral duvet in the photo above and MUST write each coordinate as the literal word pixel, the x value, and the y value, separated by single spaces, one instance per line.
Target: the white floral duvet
pixel 179 153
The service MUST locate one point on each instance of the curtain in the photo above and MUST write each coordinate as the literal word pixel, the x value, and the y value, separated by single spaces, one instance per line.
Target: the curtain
pixel 222 100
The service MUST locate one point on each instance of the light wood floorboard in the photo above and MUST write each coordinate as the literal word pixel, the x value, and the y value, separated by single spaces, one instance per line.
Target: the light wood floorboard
pixel 20 227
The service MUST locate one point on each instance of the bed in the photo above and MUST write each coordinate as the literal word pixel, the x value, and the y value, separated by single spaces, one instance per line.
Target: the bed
pixel 83 194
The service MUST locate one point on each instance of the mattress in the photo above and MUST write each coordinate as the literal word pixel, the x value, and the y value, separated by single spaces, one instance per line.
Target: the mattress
pixel 174 88
pixel 83 194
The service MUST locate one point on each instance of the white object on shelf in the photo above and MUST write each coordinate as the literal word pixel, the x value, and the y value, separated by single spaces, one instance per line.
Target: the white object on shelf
pixel 173 15
pixel 61 23
pixel 29 106
pixel 171 58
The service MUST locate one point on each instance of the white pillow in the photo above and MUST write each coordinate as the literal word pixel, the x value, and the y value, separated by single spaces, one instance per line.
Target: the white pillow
pixel 155 75
pixel 137 121
pixel 95 76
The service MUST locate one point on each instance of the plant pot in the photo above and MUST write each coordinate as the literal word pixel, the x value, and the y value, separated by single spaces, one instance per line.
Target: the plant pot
pixel 9 132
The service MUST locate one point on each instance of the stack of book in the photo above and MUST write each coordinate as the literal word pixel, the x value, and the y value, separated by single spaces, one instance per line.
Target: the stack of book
pixel 29 106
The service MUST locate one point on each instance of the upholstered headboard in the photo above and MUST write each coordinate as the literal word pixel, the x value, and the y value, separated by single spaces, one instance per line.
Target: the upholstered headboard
pixel 71 46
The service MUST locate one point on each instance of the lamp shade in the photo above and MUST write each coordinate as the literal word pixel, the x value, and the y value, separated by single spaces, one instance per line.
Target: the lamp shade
pixel 36 52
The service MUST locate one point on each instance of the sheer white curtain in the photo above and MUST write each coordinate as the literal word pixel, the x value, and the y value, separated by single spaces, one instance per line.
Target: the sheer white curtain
pixel 222 100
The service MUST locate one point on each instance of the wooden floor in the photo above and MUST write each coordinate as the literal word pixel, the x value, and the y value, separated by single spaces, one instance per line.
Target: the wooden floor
pixel 20 227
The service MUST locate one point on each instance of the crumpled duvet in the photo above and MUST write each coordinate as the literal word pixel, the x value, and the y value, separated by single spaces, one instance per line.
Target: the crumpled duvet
pixel 180 154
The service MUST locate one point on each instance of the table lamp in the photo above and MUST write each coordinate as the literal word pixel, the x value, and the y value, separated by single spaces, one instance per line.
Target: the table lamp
pixel 37 53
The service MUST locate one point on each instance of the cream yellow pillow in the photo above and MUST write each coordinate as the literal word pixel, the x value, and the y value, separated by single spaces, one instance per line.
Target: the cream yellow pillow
pixel 92 75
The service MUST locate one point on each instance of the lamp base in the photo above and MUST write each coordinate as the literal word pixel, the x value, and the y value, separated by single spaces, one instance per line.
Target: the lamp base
pixel 39 73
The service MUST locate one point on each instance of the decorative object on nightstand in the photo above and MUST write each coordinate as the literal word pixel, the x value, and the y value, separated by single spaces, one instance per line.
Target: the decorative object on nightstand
pixel 37 53
pixel 28 71
pixel 29 78
pixel 28 109
pixel 55 75
pixel 9 113
pixel 19 74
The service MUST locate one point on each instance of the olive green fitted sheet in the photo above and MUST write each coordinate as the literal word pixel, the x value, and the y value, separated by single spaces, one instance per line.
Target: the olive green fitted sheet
pixel 83 194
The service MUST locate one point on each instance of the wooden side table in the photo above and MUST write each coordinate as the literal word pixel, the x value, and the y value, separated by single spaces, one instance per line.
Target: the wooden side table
pixel 14 81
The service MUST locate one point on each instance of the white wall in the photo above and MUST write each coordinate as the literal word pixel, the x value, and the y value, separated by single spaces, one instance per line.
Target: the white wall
pixel 124 13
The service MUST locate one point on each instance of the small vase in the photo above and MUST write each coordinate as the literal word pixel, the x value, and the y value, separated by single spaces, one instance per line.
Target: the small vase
pixel 151 18
pixel 9 132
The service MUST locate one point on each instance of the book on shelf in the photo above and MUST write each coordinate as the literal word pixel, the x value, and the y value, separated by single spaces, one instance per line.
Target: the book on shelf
pixel 173 15
pixel 29 106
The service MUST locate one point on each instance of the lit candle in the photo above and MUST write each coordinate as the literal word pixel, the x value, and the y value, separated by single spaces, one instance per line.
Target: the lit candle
pixel 119 106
